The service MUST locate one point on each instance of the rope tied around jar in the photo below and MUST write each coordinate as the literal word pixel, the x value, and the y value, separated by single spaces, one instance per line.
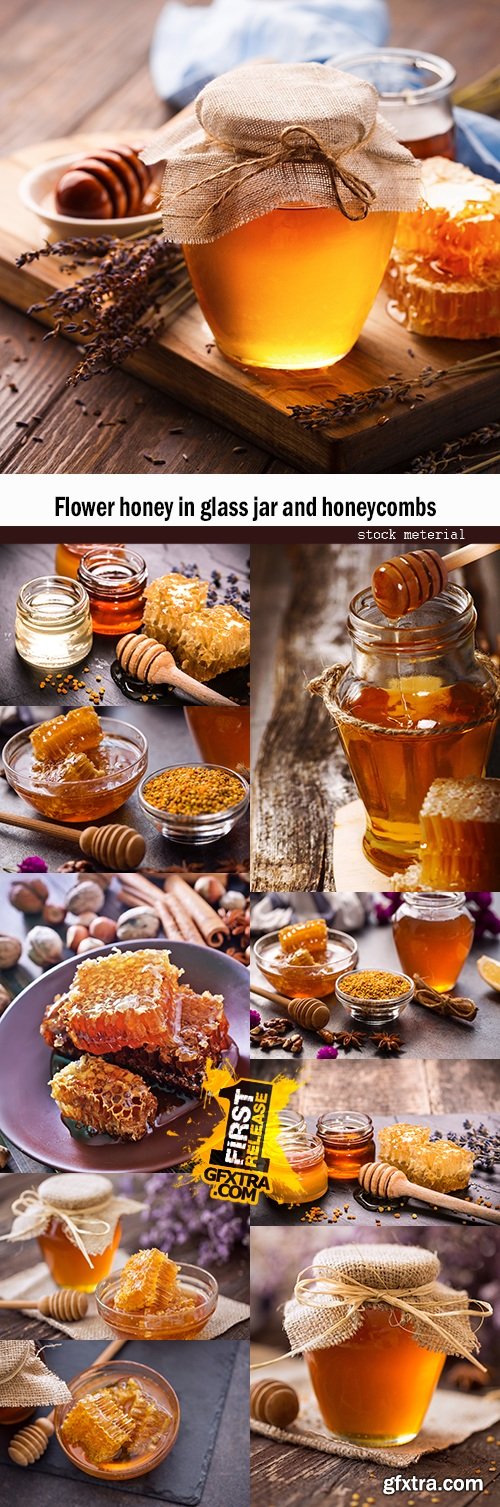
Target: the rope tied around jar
pixel 296 143
pixel 326 686
pixel 78 1232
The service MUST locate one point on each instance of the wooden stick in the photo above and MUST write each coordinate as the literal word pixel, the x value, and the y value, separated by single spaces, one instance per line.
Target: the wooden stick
pixel 212 927
pixel 388 1182
pixel 168 911
pixel 276 999
pixel 467 554
pixel 149 661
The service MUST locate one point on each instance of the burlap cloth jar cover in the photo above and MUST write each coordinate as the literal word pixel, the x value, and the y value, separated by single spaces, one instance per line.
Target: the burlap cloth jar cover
pixel 25 1379
pixel 274 134
pixel 327 1307
pixel 85 1204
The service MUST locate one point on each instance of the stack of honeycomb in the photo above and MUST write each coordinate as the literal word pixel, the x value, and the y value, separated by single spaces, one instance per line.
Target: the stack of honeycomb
pixel 444 272
pixel 117 1420
pixel 460 827
pixel 205 641
pixel 433 1164
pixel 148 1284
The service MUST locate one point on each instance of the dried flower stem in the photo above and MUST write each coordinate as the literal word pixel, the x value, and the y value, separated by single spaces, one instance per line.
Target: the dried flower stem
pixel 397 389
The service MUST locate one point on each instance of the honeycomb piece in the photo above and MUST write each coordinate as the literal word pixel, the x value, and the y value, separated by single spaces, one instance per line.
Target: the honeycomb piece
pixel 211 641
pixel 148 1284
pixel 76 767
pixel 460 827
pixel 148 1420
pixel 99 1425
pixel 302 958
pixel 433 1164
pixel 127 999
pixel 104 1098
pixel 168 600
pixel 313 935
pixel 77 732
pixel 444 272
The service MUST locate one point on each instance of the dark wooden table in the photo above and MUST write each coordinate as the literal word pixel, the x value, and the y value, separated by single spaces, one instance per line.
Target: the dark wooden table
pixel 169 742
pixel 301 778
pixel 232 1276
pixel 24 562
pixel 423 1033
pixel 47 92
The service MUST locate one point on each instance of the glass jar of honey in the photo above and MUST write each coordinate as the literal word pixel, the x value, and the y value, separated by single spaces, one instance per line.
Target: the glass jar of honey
pixel 284 189
pixel 15 1415
pixel 114 577
pixel 416 704
pixel 292 1122
pixel 375 1325
pixel 303 1177
pixel 348 1143
pixel 68 557
pixel 221 735
pixel 415 95
pixel 82 1230
pixel 433 934
pixel 53 626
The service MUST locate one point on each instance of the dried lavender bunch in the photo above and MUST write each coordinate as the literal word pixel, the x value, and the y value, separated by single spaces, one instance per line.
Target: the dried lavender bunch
pixel 396 389
pixel 116 308
pixel 175 1217
pixel 455 455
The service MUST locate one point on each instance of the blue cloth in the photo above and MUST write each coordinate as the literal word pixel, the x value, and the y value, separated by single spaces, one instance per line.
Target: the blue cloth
pixel 193 44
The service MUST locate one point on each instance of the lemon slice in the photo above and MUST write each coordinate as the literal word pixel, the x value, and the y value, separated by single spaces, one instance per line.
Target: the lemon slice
pixel 490 972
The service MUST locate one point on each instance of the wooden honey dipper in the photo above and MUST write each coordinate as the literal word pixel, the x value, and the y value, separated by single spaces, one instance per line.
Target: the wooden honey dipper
pixel 31 1442
pixel 405 582
pixel 150 661
pixel 311 1014
pixel 67 1306
pixel 388 1182
pixel 112 847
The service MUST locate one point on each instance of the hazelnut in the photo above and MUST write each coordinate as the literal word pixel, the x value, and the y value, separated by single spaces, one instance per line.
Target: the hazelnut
pixel 10 951
pixel 86 918
pixel 103 928
pixel 233 900
pixel 89 944
pixel 28 897
pixel 75 935
pixel 53 914
pixel 141 921
pixel 210 888
pixel 44 946
pixel 5 999
pixel 88 895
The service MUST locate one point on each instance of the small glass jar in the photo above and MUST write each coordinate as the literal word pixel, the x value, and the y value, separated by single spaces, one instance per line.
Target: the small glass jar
pixel 68 557
pixel 415 95
pixel 53 626
pixel 67 1264
pixel 415 705
pixel 433 934
pixel 15 1415
pixel 292 1123
pixel 221 734
pixel 292 289
pixel 115 578
pixel 375 1388
pixel 306 1160
pixel 348 1142
pixel 155 1388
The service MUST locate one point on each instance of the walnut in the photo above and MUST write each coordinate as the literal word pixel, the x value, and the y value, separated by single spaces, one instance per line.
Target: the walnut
pixel 10 951
pixel 140 921
pixel 88 895
pixel 28 896
pixel 44 946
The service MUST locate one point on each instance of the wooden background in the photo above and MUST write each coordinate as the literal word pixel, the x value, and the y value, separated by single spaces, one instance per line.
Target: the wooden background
pixel 47 92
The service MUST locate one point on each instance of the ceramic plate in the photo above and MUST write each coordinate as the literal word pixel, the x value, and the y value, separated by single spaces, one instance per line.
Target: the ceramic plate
pixel 30 1117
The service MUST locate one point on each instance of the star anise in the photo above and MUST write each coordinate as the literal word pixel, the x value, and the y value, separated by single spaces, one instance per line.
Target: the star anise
pixel 350 1040
pixel 388 1045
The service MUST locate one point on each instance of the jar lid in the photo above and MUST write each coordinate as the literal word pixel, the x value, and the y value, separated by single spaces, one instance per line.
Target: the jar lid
pixel 76 1190
pixel 386 1266
pixel 25 1379
pixel 274 134
pixel 344 1124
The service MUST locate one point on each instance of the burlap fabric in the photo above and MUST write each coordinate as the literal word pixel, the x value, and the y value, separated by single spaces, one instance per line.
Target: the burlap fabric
pixel 25 1379
pixel 330 1296
pixel 85 1205
pixel 275 134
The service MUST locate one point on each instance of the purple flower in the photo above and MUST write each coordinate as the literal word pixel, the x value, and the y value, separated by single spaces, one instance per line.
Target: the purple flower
pixel 327 1052
pixel 33 865
pixel 254 1019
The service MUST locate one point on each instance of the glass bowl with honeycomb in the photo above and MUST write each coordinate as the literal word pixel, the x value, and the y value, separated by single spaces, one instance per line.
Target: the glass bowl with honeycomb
pixel 154 1298
pixel 122 1421
pixel 305 959
pixel 194 803
pixel 73 768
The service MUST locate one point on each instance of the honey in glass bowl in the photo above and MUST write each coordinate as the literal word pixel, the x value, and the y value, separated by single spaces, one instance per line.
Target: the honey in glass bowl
pixel 67 792
pixel 138 1415
pixel 176 1322
pixel 313 978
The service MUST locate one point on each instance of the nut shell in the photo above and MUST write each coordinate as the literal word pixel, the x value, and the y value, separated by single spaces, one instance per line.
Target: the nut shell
pixel 10 951
pixel 44 946
pixel 28 896
pixel 5 999
pixel 74 935
pixel 85 896
pixel 140 921
pixel 103 928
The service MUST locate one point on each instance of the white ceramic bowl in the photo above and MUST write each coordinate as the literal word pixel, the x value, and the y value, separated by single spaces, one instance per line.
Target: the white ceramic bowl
pixel 37 191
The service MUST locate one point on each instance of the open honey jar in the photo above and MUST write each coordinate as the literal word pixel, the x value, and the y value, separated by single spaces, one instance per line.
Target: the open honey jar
pixel 416 704
pixel 115 578
pixel 284 187
pixel 433 934
pixel 415 95
pixel 68 557
pixel 348 1142
pixel 375 1326
pixel 303 1178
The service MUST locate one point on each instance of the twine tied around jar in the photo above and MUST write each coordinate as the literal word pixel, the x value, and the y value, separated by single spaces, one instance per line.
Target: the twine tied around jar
pixel 90 1231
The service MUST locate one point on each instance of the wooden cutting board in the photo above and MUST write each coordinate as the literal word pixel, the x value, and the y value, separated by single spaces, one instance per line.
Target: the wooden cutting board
pixel 185 363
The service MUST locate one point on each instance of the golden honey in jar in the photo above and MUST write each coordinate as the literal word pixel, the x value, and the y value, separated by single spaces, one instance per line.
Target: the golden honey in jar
pixel 375 1325
pixel 348 1142
pixel 284 190
pixel 415 95
pixel 115 578
pixel 307 1179
pixel 68 557
pixel 433 934
pixel 415 705
pixel 82 1230
pixel 221 734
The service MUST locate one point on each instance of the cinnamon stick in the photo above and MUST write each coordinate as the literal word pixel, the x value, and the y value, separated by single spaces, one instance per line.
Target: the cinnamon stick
pixel 212 927
pixel 175 920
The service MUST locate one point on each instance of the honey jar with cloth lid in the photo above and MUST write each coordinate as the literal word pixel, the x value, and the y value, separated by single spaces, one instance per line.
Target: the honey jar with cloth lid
pixel 76 1218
